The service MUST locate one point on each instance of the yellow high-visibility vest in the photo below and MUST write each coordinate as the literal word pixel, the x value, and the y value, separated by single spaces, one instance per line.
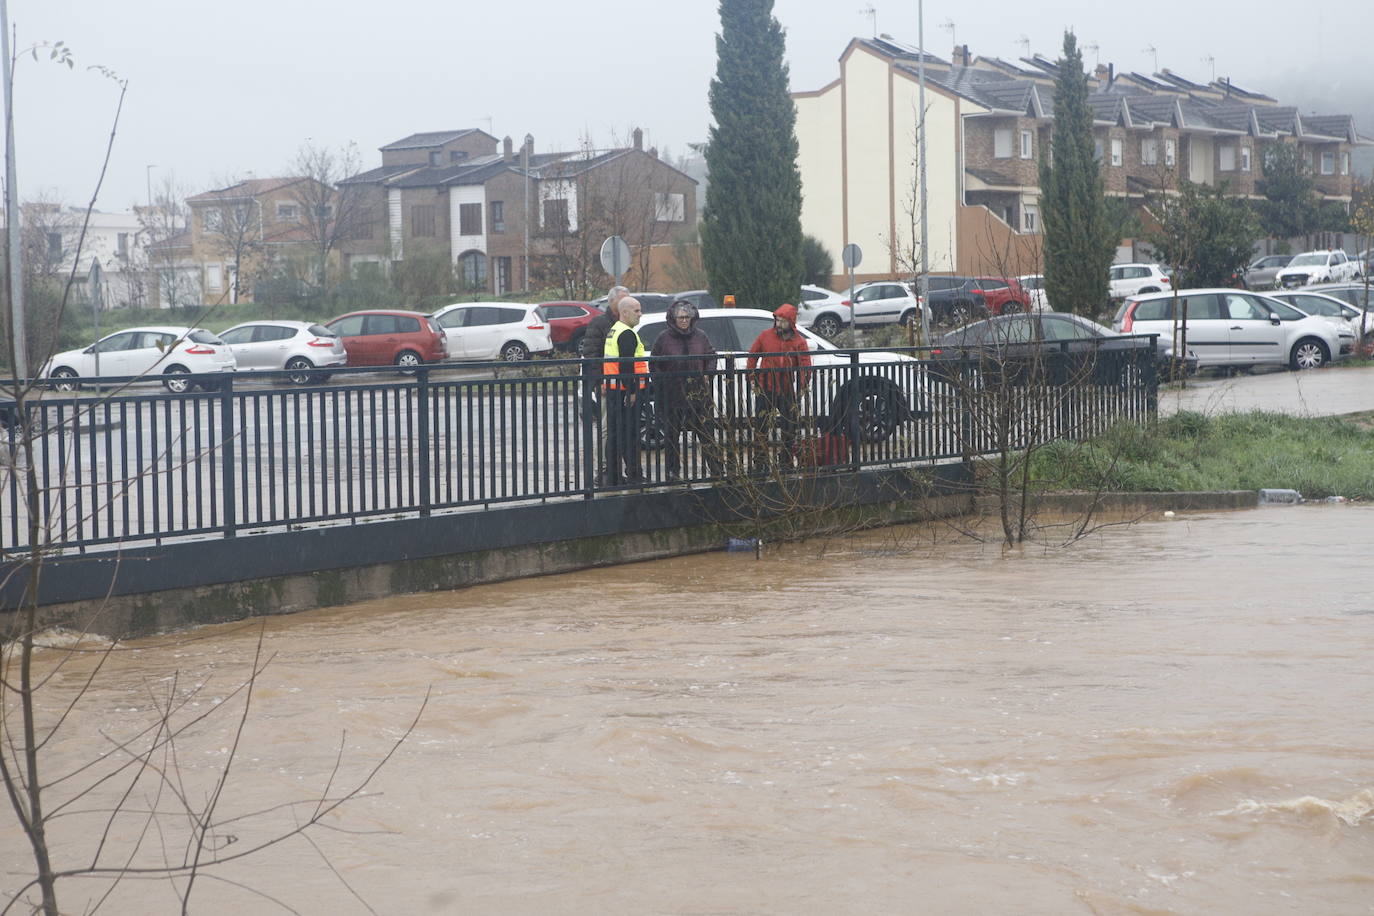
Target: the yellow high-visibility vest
pixel 611 367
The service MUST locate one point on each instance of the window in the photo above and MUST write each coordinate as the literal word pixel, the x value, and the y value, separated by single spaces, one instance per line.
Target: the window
pixel 211 220
pixel 360 226
pixel 237 336
pixel 1345 163
pixel 503 282
pixel 1097 148
pixel 1116 151
pixel 287 213
pixel 350 326
pixel 1228 158
pixel 1328 163
pixel 668 208
pixel 214 278
pixel 472 267
pixel 456 155
pixel 469 219
pixel 556 214
pixel 1030 219
pixel 1027 144
pixel 435 157
pixel 498 216
pixel 1170 152
pixel 422 221
pixel 1149 152
pixel 324 213
pixel 1245 158
pixel 122 244
pixel 1001 143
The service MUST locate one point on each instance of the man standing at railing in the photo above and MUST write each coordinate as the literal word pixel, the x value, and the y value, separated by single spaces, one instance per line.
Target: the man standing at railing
pixel 625 371
pixel 594 348
pixel 779 364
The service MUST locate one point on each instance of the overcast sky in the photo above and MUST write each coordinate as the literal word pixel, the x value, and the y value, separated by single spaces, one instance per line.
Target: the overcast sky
pixel 226 89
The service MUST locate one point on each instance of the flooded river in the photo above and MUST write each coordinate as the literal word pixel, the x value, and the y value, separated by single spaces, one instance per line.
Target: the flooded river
pixel 1167 717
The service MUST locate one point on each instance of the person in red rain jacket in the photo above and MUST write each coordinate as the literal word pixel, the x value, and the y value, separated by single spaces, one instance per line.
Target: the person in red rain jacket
pixel 779 367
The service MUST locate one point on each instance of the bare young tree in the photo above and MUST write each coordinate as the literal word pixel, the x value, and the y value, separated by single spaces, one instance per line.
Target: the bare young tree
pixel 163 224
pixel 332 211
pixel 233 225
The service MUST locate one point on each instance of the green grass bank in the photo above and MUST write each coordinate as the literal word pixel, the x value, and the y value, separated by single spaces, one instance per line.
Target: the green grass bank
pixel 1317 456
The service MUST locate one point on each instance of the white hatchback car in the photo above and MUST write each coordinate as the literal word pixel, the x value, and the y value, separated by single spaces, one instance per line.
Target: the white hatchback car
pixel 298 347
pixel 1228 327
pixel 824 311
pixel 1034 285
pixel 1337 310
pixel 1317 267
pixel 1135 279
pixel 174 355
pixel 884 302
pixel 510 331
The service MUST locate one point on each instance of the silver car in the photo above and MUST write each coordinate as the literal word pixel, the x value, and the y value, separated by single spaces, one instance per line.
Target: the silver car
pixel 1261 272
pixel 298 347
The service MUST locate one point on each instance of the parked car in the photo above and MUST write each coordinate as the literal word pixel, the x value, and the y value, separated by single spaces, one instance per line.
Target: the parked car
pixel 701 298
pixel 1337 310
pixel 1047 332
pixel 1317 267
pixel 883 302
pixel 511 331
pixel 177 356
pixel 1357 294
pixel 883 406
pixel 648 302
pixel 1228 327
pixel 299 347
pixel 824 311
pixel 389 338
pixel 1262 271
pixel 567 323
pixel 1034 285
pixel 1135 279
pixel 954 300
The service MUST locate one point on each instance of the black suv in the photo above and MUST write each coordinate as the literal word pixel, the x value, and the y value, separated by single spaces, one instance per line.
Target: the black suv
pixel 952 300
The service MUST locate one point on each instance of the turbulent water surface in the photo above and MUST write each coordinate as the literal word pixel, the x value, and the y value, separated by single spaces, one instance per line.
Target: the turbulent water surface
pixel 1167 717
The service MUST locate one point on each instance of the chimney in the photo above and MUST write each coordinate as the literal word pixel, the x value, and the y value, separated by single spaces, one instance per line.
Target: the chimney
pixel 507 151
pixel 637 136
pixel 653 151
pixel 968 60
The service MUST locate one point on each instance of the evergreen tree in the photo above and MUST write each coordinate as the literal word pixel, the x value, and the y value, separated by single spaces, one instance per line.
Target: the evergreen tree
pixel 751 239
pixel 1080 239
pixel 1206 235
pixel 818 265
pixel 1289 208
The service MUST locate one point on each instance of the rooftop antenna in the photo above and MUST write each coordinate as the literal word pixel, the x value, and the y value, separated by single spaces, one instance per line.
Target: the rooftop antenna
pixel 1154 54
pixel 1024 42
pixel 1097 57
pixel 1209 59
pixel 872 15
pixel 948 25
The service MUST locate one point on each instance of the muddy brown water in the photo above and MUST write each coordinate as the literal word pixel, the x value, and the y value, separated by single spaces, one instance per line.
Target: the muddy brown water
pixel 1168 717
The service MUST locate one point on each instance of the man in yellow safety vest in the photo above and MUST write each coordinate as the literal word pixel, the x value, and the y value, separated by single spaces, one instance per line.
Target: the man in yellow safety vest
pixel 624 373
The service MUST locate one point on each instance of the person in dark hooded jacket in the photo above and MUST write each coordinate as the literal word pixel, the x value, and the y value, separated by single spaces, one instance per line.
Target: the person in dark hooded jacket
pixel 682 388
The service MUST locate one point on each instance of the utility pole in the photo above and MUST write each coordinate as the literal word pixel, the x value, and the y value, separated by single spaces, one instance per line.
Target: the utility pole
pixel 12 227
pixel 922 283
pixel 525 158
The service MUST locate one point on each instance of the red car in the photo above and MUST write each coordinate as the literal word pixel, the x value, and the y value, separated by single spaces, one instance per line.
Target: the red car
pixel 1003 295
pixel 390 338
pixel 568 322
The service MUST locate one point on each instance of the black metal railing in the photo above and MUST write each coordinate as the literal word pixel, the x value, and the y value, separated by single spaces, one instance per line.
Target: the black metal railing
pixel 138 467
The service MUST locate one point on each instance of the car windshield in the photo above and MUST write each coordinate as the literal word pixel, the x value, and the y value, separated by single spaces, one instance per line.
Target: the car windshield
pixel 1307 260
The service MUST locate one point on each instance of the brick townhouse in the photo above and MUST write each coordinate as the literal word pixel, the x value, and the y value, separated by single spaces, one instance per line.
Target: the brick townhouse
pixel 988 122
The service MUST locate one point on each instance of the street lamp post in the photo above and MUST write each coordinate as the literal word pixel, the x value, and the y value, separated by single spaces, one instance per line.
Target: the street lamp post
pixel 148 174
pixel 922 282
pixel 16 271
pixel 525 159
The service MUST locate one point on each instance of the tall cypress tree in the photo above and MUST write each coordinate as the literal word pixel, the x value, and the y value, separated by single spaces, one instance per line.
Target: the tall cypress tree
pixel 751 239
pixel 1080 237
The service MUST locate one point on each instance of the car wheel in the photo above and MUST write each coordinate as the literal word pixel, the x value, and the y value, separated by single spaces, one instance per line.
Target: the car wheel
pixel 409 361
pixel 177 379
pixel 828 326
pixel 651 433
pixel 908 318
pixel 65 378
pixel 959 314
pixel 575 343
pixel 515 352
pixel 1308 353
pixel 299 370
pixel 881 408
pixel 1011 307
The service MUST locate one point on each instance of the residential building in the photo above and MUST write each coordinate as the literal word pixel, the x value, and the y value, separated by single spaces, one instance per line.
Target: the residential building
pixel 116 240
pixel 463 198
pixel 989 122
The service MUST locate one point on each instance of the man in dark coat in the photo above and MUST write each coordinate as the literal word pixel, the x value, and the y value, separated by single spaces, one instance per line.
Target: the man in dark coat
pixel 682 390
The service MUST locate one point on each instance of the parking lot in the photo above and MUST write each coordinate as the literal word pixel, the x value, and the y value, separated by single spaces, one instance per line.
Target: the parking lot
pixel 1325 392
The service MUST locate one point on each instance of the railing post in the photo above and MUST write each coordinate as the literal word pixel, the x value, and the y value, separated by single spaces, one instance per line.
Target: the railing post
pixel 1150 375
pixel 591 414
pixel 422 397
pixel 855 456
pixel 227 436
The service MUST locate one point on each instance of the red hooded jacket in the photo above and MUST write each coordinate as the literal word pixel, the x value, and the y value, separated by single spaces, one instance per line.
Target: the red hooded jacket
pixel 787 357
